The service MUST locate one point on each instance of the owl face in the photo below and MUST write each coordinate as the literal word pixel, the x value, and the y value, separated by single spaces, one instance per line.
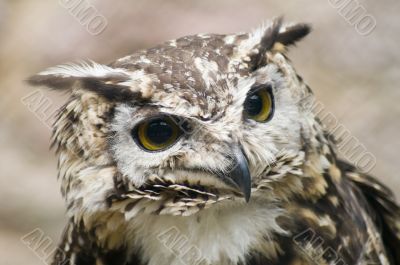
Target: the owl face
pixel 208 111
pixel 183 139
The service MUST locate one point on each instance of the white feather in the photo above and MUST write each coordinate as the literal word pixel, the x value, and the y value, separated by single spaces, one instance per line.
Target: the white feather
pixel 82 69
pixel 220 235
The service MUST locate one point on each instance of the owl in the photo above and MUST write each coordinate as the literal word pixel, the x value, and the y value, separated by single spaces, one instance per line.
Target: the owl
pixel 203 150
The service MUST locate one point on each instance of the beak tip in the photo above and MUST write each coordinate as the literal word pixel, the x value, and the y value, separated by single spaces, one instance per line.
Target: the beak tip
pixel 247 197
pixel 246 190
pixel 239 175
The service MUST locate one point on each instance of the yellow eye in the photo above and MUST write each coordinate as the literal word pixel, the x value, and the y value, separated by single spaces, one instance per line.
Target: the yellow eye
pixel 157 133
pixel 259 104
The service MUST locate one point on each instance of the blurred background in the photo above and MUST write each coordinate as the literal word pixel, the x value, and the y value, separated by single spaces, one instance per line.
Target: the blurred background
pixel 353 70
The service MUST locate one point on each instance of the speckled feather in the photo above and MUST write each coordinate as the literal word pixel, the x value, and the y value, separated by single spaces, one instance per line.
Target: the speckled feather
pixel 307 207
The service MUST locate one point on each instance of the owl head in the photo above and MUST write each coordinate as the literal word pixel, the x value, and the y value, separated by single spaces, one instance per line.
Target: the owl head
pixel 189 123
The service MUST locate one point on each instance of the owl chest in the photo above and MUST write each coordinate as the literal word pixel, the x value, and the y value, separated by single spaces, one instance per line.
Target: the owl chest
pixel 225 235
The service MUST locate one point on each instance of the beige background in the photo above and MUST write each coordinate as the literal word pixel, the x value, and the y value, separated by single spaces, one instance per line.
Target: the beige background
pixel 356 77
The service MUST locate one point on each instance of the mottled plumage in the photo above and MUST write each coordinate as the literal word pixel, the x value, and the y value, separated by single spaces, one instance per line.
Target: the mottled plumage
pixel 128 205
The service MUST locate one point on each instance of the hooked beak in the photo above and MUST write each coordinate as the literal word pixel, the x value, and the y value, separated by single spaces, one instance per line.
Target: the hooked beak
pixel 239 174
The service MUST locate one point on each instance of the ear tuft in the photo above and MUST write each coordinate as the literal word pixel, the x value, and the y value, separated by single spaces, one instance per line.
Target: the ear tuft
pixel 51 81
pixel 267 41
pixel 289 35
pixel 111 83
pixel 82 69
pixel 63 76
pixel 275 36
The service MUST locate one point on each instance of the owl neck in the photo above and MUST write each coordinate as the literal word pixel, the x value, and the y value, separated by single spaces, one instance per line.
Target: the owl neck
pixel 304 173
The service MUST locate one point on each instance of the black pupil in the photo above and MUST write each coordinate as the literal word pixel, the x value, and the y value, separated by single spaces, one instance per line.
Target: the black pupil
pixel 159 131
pixel 253 105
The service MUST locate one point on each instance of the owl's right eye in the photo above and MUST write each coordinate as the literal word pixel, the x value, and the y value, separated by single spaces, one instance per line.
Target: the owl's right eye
pixel 156 134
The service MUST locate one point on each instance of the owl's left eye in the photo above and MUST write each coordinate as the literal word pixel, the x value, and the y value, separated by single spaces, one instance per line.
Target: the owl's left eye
pixel 157 133
pixel 259 104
